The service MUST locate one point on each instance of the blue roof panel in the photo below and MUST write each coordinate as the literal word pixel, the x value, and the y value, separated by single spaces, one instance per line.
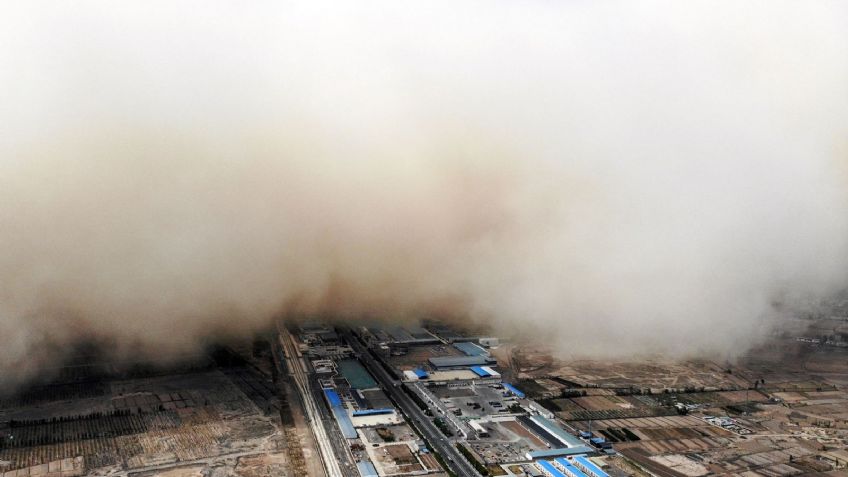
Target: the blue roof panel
pixel 550 468
pixel 333 398
pixel 421 373
pixel 479 371
pixel 575 472
pixel 594 469
pixel 514 390
pixel 345 425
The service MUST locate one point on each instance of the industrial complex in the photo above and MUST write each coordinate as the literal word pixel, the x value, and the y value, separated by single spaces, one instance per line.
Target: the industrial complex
pixel 322 399
pixel 408 401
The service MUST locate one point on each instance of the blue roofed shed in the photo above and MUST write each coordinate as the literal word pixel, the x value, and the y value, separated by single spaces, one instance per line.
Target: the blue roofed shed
pixel 550 469
pixel 333 398
pixel 479 371
pixel 514 390
pixel 345 424
pixel 589 466
pixel 573 470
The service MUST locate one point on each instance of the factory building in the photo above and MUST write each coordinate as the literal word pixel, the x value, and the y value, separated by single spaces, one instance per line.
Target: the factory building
pixel 551 453
pixel 578 466
pixel 329 351
pixel 470 349
pixel 562 443
pixel 549 469
pixel 398 335
pixel 334 402
pixel 454 362
pixel 569 470
pixel 587 466
pixel 485 372
pixel 372 412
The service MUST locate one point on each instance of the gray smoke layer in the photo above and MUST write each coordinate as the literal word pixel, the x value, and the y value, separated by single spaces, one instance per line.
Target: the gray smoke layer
pixel 605 177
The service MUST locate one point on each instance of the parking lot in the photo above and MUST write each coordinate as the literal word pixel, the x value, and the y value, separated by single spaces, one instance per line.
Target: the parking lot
pixel 473 403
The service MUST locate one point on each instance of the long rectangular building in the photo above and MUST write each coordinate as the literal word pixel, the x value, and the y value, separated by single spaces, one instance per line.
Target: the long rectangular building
pixel 340 413
pixel 560 435
pixel 366 469
pixel 569 469
pixel 563 452
pixel 470 349
pixel 444 362
pixel 588 467
pixel 550 469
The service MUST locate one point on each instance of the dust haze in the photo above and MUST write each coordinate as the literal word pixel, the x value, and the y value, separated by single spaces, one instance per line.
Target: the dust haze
pixel 611 178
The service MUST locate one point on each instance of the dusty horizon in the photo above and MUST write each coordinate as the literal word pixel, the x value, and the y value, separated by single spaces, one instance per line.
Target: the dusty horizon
pixel 612 179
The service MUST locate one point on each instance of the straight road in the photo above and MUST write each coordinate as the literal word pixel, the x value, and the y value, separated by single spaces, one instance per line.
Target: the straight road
pixel 434 437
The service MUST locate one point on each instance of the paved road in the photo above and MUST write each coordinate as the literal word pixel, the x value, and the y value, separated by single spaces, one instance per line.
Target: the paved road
pixel 462 431
pixel 434 437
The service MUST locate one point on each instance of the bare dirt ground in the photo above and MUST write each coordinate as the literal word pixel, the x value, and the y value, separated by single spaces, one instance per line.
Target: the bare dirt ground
pixel 785 406
pixel 200 422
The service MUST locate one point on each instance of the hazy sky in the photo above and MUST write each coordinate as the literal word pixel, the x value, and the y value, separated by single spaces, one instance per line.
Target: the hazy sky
pixel 606 177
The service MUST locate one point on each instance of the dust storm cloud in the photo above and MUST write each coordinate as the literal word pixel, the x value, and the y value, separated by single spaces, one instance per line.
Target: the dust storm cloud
pixel 609 177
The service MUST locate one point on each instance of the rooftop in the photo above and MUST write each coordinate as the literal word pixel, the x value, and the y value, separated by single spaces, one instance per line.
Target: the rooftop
pixel 470 349
pixel 550 469
pixel 561 435
pixel 548 453
pixel 456 361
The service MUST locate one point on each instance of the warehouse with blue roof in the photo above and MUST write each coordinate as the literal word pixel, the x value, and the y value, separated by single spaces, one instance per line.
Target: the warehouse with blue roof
pixel 550 469
pixel 514 390
pixel 339 412
pixel 588 467
pixel 485 372
pixel 569 469
pixel 577 467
